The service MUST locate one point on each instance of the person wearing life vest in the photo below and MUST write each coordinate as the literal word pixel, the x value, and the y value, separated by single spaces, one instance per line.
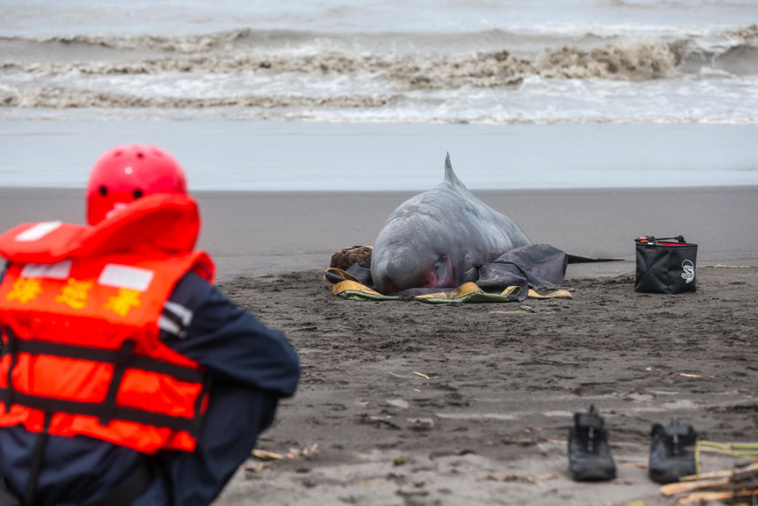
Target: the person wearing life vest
pixel 126 377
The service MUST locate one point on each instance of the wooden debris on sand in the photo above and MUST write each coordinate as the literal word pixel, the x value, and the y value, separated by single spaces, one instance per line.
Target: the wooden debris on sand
pixel 742 483
pixel 265 457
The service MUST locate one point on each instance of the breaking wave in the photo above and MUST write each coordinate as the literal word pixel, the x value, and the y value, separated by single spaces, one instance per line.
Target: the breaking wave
pixel 246 38
pixel 634 61
pixel 412 75
pixel 58 98
pixel 177 44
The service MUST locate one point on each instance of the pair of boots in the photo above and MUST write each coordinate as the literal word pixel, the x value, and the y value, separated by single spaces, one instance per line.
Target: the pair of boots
pixel 671 455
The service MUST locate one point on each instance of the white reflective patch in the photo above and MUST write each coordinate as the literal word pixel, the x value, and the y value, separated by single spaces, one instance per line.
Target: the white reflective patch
pixel 61 270
pixel 125 276
pixel 184 314
pixel 38 231
pixel 170 326
pixel 175 319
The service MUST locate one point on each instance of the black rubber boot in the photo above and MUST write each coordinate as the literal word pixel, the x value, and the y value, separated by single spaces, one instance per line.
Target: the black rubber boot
pixel 589 455
pixel 672 452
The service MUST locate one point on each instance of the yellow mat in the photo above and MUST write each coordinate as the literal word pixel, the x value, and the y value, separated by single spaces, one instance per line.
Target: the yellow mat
pixel 352 289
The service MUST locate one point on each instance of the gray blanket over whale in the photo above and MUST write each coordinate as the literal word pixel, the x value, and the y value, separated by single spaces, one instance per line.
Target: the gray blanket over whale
pixel 446 236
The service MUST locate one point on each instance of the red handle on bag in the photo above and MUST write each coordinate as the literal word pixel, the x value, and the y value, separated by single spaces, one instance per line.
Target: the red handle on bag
pixel 653 241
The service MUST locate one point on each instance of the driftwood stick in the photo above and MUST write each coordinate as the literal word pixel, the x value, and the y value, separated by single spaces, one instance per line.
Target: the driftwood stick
pixel 706 476
pixel 691 486
pixel 744 479
pixel 699 497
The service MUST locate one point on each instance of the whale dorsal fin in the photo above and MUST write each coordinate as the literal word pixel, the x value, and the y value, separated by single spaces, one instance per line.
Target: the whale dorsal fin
pixel 450 176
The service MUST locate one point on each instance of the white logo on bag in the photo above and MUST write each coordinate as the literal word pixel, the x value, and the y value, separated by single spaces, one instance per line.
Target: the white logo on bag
pixel 689 271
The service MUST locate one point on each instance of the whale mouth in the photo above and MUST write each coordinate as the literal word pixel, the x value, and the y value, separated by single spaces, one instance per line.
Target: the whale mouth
pixel 397 275
pixel 440 275
pixel 389 287
pixel 394 282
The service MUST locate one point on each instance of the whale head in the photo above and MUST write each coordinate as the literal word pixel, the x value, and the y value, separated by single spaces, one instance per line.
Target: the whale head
pixel 406 255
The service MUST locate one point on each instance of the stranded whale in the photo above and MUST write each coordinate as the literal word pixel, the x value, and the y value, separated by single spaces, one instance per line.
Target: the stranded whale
pixel 437 239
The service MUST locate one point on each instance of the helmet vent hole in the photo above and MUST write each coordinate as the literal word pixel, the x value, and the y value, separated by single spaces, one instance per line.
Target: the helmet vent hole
pixel 138 193
pixel 103 190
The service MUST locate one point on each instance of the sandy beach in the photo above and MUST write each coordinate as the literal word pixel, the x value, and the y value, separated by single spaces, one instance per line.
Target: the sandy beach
pixel 403 403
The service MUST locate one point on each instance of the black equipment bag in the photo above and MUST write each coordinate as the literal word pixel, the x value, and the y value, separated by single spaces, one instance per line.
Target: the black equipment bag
pixel 665 265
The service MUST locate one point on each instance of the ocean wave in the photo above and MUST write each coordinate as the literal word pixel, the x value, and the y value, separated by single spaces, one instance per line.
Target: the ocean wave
pixel 747 34
pixel 176 43
pixel 520 41
pixel 64 98
pixel 407 59
pixel 360 115
pixel 290 75
pixel 490 58
pixel 537 100
pixel 634 61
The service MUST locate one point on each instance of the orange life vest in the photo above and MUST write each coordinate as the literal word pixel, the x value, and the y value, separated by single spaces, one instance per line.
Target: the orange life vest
pixel 79 317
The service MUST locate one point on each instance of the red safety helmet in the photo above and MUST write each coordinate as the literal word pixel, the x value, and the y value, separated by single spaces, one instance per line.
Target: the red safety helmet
pixel 125 173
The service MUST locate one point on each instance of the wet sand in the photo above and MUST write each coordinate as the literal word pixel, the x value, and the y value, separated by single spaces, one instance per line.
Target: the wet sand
pixel 413 404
